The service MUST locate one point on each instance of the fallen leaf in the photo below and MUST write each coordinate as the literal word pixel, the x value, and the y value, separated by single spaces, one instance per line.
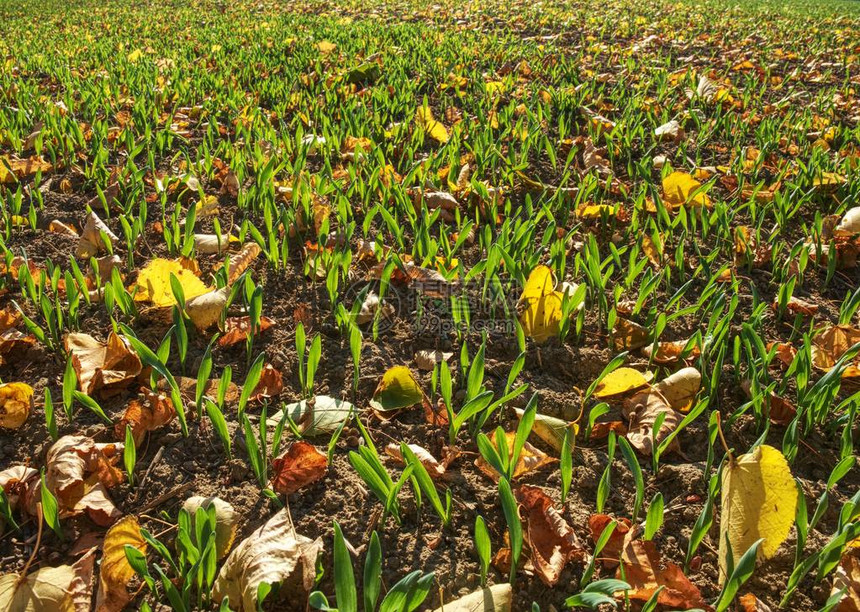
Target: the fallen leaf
pixel 628 335
pixel 72 461
pixel 424 119
pixel 397 389
pixel 552 430
pixel 212 244
pixel 642 411
pixel 116 572
pixel 620 381
pixel 611 553
pixel 552 542
pixel 144 417
pixel 670 131
pixel 271 554
pixel 105 367
pixel 670 352
pixel 751 603
pixel 829 346
pixel 226 520
pixel 645 571
pixel 302 464
pixel 317 416
pixel 495 598
pixel 434 468
pixel 847 576
pixel 530 459
pixel 849 225
pixel 540 305
pixel 206 308
pixel 153 282
pixel 241 260
pixel 16 401
pixel 427 360
pixel 680 389
pixel 66 588
pixel 91 243
pixel 271 384
pixel 759 498
pixel 370 306
pixel 58 227
pixel 680 189
pixel 236 329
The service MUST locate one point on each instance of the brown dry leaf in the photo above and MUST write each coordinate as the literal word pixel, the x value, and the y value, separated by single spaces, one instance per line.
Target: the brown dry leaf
pixel 552 542
pixel 680 388
pixel 847 576
pixel 271 554
pixel 601 429
pixel 531 458
pixel 16 401
pixel 796 305
pixel 21 168
pixel 643 409
pixel 434 468
pixel 236 329
pixel 241 260
pixel 670 352
pixel 142 417
pixel 785 352
pixel 76 466
pixel 751 603
pixel 627 335
pixel 645 571
pixel 102 367
pixel 9 318
pixel 302 464
pixel 66 588
pixel 90 243
pixel 611 553
pixel 116 572
pixel 831 344
pixel 206 309
pixel 188 389
pixel 271 384
pixel 13 343
pixel 780 410
pixel 22 487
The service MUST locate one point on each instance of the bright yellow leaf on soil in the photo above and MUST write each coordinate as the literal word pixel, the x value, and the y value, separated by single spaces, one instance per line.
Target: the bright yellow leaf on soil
pixel 678 190
pixel 153 282
pixel 434 129
pixel 622 380
pixel 116 572
pixel 759 499
pixel 540 305
pixel 397 389
pixel 16 399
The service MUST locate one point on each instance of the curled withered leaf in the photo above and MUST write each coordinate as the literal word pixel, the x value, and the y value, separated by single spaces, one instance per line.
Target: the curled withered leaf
pixel 320 415
pixel 91 242
pixel 779 410
pixel 66 588
pixel 16 401
pixel 670 352
pixel 611 552
pixel 552 430
pixel 106 265
pixel 796 305
pixel 300 465
pixel 236 329
pixel 206 309
pixel 680 388
pixel 785 352
pixel 21 484
pixel 77 468
pixel 427 359
pixel 751 603
pixel 13 343
pixel 829 346
pixel 434 468
pixel 642 410
pixel 116 572
pixel 552 542
pixel 271 383
pixel 9 318
pixel 273 554
pixel 58 227
pixel 226 520
pixel 671 131
pixel 241 260
pixel 144 417
pixel 371 305
pixel 105 367
pixel 531 458
pixel 628 335
pixel 645 571
pixel 210 244
pixel 847 577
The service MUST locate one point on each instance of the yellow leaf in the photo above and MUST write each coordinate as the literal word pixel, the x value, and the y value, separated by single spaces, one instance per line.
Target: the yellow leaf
pixel 16 399
pixel 678 190
pixel 135 55
pixel 540 305
pixel 153 282
pixel 116 572
pixel 622 380
pixel 205 310
pixel 758 501
pixel 552 430
pixel 325 47
pixel 397 389
pixel 433 128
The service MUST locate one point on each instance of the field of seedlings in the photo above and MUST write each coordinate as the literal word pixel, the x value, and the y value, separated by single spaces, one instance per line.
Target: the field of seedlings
pixel 453 306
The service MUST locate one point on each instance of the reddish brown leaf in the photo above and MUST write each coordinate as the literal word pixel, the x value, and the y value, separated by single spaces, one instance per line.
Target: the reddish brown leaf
pixel 645 571
pixel 271 383
pixel 299 466
pixel 612 551
pixel 236 329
